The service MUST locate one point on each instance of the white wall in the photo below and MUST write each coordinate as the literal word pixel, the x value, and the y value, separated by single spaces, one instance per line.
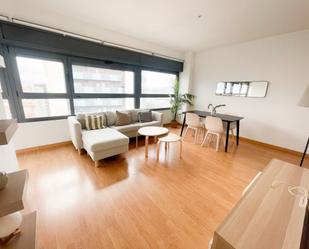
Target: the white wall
pixel 35 134
pixel 284 62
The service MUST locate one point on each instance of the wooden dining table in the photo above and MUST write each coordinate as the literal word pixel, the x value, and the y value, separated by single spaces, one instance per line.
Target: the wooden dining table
pixel 227 118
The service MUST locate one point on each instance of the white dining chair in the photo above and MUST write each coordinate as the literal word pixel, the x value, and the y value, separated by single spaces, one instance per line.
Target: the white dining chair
pixel 194 123
pixel 214 127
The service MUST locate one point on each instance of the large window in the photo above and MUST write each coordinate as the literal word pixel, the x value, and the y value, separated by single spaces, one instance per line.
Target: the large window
pixel 47 85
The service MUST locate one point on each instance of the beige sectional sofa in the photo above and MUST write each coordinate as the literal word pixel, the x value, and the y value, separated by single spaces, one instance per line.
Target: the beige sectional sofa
pixel 110 141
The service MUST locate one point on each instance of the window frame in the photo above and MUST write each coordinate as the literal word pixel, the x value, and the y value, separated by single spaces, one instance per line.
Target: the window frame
pixel 13 88
pixel 35 54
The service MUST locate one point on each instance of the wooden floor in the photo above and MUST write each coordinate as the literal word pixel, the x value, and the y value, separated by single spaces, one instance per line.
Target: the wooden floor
pixel 130 202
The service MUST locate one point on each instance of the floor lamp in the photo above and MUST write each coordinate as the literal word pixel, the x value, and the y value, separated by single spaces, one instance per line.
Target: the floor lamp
pixel 304 101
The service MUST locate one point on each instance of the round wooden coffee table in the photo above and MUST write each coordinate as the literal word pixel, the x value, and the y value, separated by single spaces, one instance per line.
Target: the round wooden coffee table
pixel 151 131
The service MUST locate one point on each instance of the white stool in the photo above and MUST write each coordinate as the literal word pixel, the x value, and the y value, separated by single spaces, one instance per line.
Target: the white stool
pixel 170 138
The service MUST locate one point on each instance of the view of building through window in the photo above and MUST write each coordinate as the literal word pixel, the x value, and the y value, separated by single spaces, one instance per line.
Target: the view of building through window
pixel 36 108
pixel 102 80
pixel 41 76
pixel 92 105
pixel 155 103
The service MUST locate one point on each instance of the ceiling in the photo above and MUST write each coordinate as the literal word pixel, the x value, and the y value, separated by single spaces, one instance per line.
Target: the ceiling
pixel 174 23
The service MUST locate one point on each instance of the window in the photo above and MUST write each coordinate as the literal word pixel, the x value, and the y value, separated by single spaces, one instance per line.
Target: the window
pixel 156 89
pixel 155 103
pixel 37 108
pixel 98 89
pixel 42 88
pixel 91 105
pixel 157 82
pixel 102 80
pixel 40 75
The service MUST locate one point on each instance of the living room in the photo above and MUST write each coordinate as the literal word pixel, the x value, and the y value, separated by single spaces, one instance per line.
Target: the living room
pixel 158 124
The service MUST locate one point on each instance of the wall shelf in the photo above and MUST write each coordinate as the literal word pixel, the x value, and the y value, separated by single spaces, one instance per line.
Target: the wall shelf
pixel 27 238
pixel 11 201
pixel 11 197
pixel 7 130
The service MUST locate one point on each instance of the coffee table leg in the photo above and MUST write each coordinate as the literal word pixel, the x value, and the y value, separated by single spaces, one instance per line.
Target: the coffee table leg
pixel 158 150
pixel 180 148
pixel 146 146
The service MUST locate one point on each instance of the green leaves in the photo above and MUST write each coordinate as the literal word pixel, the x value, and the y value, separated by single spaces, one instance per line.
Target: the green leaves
pixel 177 99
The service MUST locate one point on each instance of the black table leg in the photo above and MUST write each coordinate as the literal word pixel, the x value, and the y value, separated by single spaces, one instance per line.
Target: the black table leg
pixel 227 136
pixel 305 152
pixel 183 124
pixel 237 131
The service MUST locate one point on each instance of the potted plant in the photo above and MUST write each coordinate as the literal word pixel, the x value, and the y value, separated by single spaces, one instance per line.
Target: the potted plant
pixel 177 100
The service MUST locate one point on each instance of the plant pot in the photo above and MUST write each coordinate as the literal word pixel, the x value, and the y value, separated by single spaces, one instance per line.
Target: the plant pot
pixel 174 124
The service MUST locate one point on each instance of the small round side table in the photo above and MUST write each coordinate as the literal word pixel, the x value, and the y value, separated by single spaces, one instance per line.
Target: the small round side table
pixel 170 138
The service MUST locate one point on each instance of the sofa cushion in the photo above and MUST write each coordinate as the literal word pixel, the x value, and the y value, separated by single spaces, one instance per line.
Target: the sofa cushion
pixel 123 118
pixel 145 116
pixel 127 128
pixel 81 119
pixel 134 114
pixel 152 123
pixel 110 117
pixel 103 139
pixel 94 121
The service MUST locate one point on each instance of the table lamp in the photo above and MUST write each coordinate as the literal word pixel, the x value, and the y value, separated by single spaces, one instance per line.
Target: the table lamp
pixel 304 101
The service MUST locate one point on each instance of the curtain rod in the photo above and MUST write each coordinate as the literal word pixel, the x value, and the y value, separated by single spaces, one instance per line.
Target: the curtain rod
pixel 88 38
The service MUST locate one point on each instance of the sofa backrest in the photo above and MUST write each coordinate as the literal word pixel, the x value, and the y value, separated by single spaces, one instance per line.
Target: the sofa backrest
pixel 110 117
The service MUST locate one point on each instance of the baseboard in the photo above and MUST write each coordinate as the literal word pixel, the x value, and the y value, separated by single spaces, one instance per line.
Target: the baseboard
pixel 248 140
pixel 274 147
pixel 42 147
